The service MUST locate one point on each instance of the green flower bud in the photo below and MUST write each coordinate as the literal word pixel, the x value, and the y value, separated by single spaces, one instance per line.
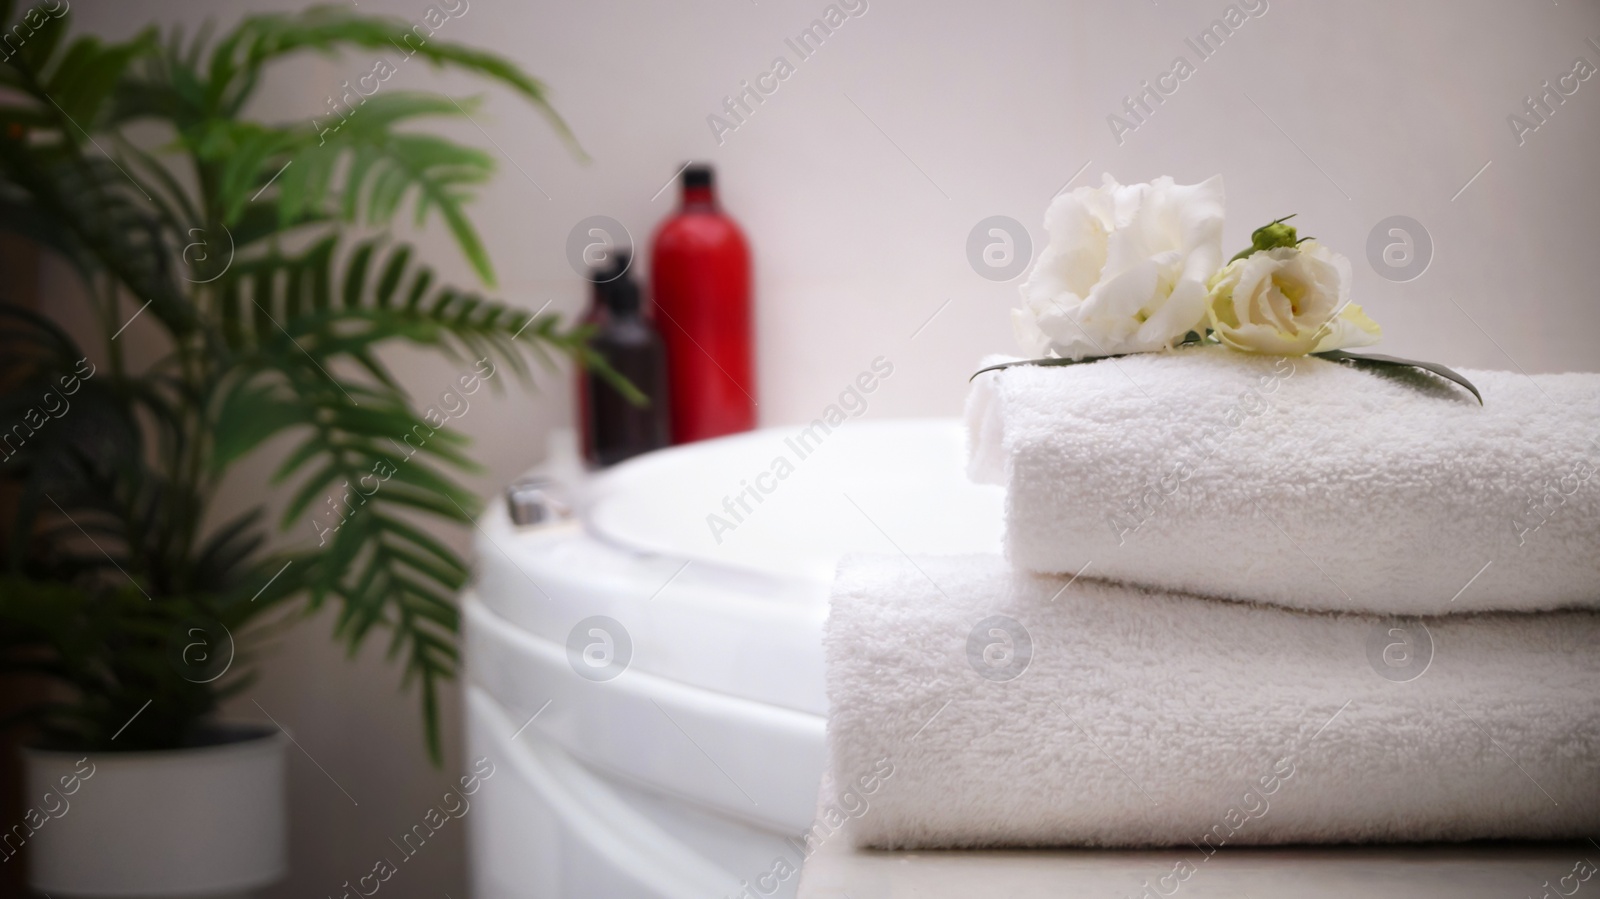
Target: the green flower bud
pixel 1271 236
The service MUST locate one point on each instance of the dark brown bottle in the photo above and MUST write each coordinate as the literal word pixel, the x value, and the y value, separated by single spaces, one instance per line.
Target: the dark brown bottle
pixel 615 428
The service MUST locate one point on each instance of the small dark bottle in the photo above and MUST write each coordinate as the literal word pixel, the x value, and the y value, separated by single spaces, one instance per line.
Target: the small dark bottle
pixel 614 428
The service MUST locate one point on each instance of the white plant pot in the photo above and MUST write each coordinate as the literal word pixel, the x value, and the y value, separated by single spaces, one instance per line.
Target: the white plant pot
pixel 207 821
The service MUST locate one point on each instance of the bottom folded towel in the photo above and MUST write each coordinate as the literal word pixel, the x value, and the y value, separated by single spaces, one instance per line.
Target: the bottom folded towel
pixel 972 705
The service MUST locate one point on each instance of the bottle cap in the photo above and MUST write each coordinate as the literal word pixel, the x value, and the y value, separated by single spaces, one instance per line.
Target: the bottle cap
pixel 613 267
pixel 614 287
pixel 697 174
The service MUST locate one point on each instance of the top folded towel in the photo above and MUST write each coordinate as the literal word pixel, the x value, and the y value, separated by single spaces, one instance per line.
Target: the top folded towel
pixel 1298 481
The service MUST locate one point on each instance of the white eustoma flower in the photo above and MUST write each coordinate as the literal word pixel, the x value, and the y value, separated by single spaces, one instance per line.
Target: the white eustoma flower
pixel 1289 301
pixel 1125 270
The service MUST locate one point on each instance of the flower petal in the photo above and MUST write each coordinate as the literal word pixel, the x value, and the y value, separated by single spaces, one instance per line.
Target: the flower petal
pixel 1351 328
pixel 1126 268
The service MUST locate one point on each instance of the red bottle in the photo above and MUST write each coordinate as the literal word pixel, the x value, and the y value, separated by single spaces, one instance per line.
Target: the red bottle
pixel 700 287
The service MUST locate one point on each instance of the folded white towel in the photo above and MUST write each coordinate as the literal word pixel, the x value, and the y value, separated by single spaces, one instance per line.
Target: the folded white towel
pixel 1300 482
pixel 1143 718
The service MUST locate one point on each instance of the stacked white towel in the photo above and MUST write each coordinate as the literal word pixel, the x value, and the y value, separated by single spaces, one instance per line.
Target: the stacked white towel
pixel 1207 633
pixel 1300 482
pixel 973 705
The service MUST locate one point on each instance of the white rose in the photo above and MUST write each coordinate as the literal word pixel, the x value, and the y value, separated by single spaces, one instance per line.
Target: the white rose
pixel 1289 301
pixel 1125 269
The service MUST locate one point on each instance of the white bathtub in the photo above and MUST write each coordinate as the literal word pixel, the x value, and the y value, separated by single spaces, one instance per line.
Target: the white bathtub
pixel 682 772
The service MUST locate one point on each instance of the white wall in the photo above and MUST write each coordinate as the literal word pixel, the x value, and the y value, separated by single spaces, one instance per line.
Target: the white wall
pixel 859 180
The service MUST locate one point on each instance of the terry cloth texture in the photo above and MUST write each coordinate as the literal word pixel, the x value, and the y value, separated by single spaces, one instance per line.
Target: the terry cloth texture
pixel 1025 710
pixel 1298 481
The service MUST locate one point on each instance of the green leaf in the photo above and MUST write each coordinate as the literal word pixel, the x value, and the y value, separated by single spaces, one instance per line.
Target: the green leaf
pixel 1363 360
pixel 250 415
pixel 87 74
pixel 1373 360
pixel 392 274
pixel 422 540
pixel 318 486
pixel 313 446
pixel 1046 362
pixel 260 39
pixel 288 337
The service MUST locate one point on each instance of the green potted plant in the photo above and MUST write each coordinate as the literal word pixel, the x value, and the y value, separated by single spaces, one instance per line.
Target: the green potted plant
pixel 261 252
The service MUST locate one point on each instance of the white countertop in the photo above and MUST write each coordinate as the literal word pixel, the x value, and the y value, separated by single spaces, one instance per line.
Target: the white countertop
pixel 1488 869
